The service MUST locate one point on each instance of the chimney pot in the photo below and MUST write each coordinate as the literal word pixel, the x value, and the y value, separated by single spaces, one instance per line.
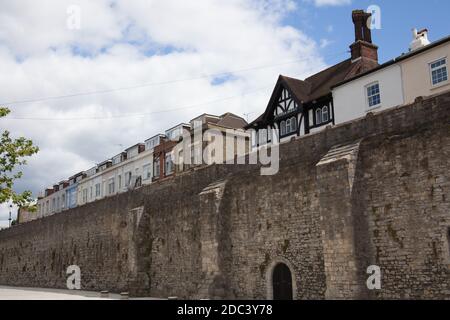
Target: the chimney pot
pixel 420 39
pixel 363 47
pixel 362 31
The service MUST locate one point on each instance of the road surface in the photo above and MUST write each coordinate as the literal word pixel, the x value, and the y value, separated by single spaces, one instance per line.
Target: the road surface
pixel 15 293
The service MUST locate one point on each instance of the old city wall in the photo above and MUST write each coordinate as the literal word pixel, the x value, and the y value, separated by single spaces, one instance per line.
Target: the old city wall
pixel 101 238
pixel 371 192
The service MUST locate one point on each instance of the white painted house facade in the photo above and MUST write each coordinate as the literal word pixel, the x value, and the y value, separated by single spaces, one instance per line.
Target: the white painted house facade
pixel 377 91
pixel 419 73
pixel 121 176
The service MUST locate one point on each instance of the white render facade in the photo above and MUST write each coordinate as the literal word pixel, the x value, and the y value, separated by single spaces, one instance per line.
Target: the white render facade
pixel 351 100
pixel 109 178
pixel 419 73
pixel 118 178
pixel 52 204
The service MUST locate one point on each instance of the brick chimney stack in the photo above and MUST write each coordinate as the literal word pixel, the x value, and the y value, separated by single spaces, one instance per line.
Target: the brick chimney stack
pixel 363 46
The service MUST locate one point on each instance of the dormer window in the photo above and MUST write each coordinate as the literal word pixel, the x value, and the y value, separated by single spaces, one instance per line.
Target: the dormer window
pixel 116 160
pixel 152 143
pixel 174 134
pixel 132 152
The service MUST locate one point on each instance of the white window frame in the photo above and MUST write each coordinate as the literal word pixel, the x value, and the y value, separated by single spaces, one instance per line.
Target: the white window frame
pixel 325 111
pixel 84 195
pixel 293 124
pixel 111 185
pixel 128 177
pixel 157 168
pixel 318 116
pixel 442 83
pixel 283 128
pixel 288 126
pixel 367 97
pixel 98 191
pixel 168 164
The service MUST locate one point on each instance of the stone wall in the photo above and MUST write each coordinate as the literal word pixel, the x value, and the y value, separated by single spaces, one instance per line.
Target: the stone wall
pixel 371 192
pixel 111 243
pixel 38 253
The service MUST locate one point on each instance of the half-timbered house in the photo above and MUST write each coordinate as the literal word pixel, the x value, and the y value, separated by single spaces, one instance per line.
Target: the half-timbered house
pixel 300 107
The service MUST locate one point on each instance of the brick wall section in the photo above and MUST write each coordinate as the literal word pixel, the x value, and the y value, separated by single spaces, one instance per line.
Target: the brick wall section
pixel 218 231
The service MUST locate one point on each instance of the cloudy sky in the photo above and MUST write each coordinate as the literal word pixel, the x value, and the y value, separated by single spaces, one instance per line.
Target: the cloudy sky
pixel 85 79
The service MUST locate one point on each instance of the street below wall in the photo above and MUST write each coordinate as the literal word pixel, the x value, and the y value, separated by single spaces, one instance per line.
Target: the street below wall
pixel 17 293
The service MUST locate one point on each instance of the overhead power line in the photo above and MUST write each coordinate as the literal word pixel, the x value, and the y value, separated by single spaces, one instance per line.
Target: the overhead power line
pixel 131 115
pixel 161 83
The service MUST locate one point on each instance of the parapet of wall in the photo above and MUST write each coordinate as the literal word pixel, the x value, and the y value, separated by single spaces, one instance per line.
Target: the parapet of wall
pixel 374 191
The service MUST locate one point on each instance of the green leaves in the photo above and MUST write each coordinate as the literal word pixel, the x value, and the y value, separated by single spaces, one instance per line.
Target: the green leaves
pixel 12 156
pixel 4 111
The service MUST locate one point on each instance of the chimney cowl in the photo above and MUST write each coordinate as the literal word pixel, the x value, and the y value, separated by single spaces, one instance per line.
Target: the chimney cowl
pixel 360 19
pixel 420 39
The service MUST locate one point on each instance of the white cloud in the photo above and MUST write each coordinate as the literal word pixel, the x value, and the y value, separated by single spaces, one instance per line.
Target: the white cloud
pixel 325 43
pixel 122 44
pixel 322 3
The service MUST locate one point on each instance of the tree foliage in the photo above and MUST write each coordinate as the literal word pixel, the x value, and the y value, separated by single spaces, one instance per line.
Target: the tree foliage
pixel 12 156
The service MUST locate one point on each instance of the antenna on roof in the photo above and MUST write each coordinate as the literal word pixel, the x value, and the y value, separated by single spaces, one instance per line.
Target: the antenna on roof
pixel 247 114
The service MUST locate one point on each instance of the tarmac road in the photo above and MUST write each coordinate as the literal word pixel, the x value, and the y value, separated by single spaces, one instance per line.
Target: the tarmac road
pixel 15 293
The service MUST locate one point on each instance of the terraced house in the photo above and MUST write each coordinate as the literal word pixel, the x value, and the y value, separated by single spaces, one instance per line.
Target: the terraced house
pixel 144 163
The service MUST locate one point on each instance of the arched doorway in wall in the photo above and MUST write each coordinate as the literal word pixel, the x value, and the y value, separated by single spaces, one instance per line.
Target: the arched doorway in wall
pixel 282 282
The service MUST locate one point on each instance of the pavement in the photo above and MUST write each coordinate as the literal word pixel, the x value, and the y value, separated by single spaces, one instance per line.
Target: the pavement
pixel 16 293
